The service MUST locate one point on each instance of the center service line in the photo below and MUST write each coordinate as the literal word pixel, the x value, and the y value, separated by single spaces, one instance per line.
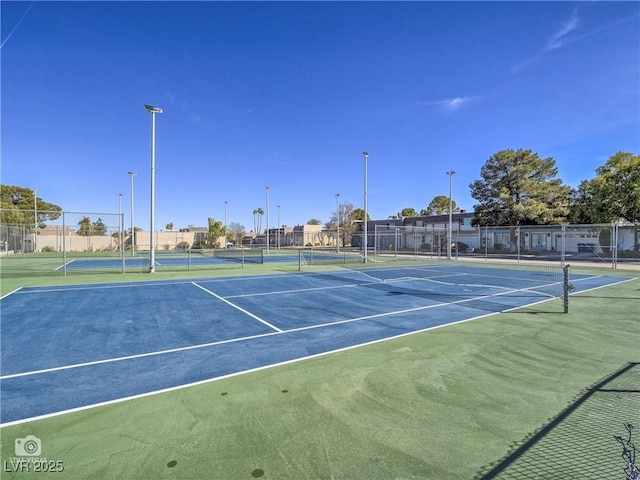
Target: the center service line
pixel 237 307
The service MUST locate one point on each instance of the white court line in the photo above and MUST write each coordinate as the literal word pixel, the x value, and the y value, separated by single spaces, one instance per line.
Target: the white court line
pixel 233 340
pixel 264 322
pixel 12 292
pixel 264 367
pixel 295 290
pixel 134 357
pixel 64 265
pixel 230 375
pixel 257 369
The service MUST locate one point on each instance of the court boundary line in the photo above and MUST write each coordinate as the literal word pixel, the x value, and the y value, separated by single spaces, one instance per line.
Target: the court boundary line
pixel 11 292
pixel 64 265
pixel 265 367
pixel 278 332
pixel 235 374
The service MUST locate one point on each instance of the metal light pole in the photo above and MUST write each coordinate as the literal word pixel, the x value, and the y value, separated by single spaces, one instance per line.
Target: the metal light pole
pixel 278 231
pixel 133 228
pixel 121 230
pixel 366 238
pixel 120 222
pixel 35 209
pixel 450 239
pixel 152 255
pixel 338 222
pixel 226 237
pixel 267 190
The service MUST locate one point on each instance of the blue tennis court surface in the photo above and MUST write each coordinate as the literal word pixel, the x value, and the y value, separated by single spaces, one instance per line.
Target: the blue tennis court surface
pixel 70 347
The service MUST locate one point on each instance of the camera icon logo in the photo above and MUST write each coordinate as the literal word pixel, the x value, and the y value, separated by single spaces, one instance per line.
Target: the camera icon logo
pixel 29 446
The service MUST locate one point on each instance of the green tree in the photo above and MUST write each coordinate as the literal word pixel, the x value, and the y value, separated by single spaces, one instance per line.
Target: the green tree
pixel 519 188
pixel 214 232
pixel 439 205
pixel 18 205
pixel 169 226
pixel 614 194
pixel 408 212
pixel 86 227
pixel 358 214
pixel 314 221
pixel 99 228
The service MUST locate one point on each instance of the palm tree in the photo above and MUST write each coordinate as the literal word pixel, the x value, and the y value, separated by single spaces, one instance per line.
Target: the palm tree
pixel 86 227
pixel 257 219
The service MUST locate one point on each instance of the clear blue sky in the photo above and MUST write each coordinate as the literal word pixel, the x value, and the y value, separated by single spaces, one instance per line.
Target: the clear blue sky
pixel 289 94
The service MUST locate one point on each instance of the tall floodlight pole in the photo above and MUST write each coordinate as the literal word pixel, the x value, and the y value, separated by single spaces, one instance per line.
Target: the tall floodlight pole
pixel 450 239
pixel 267 190
pixel 338 221
pixel 35 209
pixel 120 223
pixel 133 228
pixel 121 231
pixel 226 236
pixel 365 237
pixel 152 255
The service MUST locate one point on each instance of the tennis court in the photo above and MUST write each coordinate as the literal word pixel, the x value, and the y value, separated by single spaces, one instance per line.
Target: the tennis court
pixel 71 347
pixel 187 258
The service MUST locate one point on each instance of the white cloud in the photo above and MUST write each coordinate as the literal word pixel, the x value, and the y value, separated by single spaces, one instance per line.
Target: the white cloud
pixel 559 38
pixel 447 105
pixel 573 30
pixel 17 25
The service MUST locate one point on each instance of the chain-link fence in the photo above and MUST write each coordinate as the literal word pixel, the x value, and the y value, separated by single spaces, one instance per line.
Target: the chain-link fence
pixel 604 244
pixel 580 442
pixel 64 241
pixel 83 242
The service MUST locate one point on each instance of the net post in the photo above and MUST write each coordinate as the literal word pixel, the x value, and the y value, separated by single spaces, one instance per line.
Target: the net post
pixel 565 288
pixel 299 259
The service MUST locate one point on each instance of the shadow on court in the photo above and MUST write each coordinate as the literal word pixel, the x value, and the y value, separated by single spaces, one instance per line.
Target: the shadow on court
pixel 579 442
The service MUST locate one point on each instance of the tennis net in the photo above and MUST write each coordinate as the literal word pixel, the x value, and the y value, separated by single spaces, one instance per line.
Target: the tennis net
pixel 310 256
pixel 243 255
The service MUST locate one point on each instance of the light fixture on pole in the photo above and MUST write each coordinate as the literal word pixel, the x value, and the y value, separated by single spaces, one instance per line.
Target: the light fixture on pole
pixel 152 257
pixel 133 228
pixel 451 173
pixel 365 236
pixel 267 190
pixel 338 221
